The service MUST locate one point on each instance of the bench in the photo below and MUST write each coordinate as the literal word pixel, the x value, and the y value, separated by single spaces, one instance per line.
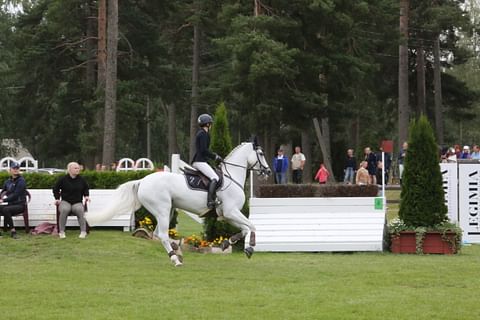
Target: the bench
pixel 41 209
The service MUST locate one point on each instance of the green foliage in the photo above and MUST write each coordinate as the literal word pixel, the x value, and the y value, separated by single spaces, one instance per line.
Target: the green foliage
pixel 221 139
pixel 422 198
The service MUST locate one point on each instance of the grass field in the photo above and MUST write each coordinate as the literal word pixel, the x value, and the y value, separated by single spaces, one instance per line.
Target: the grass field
pixel 112 275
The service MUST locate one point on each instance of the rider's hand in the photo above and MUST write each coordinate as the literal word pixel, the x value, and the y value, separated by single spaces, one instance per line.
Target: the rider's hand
pixel 218 158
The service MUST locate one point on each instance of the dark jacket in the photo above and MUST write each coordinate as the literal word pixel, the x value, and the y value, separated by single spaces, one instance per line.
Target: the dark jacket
pixel 71 189
pixel 351 162
pixel 15 189
pixel 202 147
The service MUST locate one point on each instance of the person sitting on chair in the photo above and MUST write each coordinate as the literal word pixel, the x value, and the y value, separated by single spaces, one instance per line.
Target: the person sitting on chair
pixel 13 197
pixel 203 153
pixel 72 189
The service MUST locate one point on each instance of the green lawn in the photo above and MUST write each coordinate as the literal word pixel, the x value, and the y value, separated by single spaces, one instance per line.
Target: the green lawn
pixel 112 275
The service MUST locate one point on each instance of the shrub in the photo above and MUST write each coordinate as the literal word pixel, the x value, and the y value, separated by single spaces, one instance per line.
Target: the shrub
pixel 422 202
pixel 315 190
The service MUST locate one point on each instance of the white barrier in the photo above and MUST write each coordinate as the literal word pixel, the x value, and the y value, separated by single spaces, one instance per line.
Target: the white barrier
pixel 318 224
pixel 41 209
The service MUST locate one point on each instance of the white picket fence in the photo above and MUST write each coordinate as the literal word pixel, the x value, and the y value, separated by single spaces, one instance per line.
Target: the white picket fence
pixel 318 224
pixel 41 209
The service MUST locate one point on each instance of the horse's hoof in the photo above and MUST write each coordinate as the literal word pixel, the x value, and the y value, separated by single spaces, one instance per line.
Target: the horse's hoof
pixel 225 244
pixel 179 264
pixel 249 252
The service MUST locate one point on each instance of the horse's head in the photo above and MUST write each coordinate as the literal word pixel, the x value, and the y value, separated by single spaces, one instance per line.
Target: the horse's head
pixel 257 162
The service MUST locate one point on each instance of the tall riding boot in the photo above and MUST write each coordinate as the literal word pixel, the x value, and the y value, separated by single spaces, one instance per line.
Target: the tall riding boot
pixel 211 194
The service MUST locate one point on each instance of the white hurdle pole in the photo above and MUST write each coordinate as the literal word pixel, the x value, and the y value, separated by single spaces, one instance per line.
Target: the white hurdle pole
pixel 251 183
pixel 383 180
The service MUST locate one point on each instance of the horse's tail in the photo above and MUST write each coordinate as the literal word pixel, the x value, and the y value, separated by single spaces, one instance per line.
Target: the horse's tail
pixel 124 200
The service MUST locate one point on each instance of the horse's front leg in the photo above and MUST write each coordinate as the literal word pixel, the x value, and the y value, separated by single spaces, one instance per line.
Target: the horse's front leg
pixel 237 219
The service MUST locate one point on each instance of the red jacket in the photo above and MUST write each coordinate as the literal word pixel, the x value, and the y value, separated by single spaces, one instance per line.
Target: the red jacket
pixel 322 175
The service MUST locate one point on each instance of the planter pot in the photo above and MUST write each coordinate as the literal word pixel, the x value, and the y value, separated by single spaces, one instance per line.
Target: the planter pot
pixel 433 242
pixel 404 242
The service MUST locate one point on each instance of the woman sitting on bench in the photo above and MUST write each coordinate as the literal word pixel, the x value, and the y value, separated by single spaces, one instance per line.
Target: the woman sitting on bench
pixel 69 192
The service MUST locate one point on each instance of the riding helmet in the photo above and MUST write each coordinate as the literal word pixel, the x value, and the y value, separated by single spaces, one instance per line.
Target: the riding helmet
pixel 204 119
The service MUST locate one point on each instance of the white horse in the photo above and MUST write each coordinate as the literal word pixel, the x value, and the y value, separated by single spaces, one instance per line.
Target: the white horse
pixel 161 192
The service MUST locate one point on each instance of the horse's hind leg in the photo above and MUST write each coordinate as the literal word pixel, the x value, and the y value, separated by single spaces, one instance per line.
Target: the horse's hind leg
pixel 163 221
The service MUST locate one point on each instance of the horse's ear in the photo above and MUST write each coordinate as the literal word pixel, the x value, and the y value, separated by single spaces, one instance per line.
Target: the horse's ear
pixel 254 141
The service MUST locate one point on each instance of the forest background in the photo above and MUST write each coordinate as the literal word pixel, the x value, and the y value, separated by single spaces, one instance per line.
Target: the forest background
pixel 98 80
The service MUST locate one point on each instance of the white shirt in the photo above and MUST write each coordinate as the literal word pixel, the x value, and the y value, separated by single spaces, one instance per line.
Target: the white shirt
pixel 297 161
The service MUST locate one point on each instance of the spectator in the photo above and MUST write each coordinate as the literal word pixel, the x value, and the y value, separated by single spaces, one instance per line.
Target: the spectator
pixel 380 173
pixel 280 167
pixel 475 152
pixel 322 174
pixel 458 151
pixel 371 165
pixel 113 166
pixel 401 159
pixel 298 162
pixel 466 153
pixel 13 197
pixel 451 155
pixel 69 192
pixel 350 166
pixel 363 178
pixel 388 162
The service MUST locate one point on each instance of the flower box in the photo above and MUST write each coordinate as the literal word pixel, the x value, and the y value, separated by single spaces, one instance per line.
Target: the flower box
pixel 433 243
pixel 404 242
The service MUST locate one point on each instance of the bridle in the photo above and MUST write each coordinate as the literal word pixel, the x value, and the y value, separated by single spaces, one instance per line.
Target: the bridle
pixel 263 170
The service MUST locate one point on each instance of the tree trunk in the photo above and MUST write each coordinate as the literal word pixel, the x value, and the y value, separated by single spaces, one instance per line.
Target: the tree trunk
pixel 172 130
pixel 90 46
pixel 323 137
pixel 257 8
pixel 101 70
pixel 102 44
pixel 111 84
pixel 149 137
pixel 307 151
pixel 195 75
pixel 437 81
pixel 403 107
pixel 421 91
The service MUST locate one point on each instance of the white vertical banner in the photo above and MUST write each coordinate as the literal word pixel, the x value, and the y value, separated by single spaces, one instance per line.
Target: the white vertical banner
pixel 469 201
pixel 450 188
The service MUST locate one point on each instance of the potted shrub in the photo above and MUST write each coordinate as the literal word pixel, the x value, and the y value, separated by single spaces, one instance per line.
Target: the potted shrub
pixel 423 225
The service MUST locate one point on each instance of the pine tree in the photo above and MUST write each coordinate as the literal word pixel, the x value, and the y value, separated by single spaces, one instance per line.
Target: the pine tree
pixel 221 139
pixel 422 197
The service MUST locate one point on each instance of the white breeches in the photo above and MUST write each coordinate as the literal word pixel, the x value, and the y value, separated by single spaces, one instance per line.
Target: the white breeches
pixel 205 168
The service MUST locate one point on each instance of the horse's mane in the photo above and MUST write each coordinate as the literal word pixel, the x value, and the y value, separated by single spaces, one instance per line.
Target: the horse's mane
pixel 235 149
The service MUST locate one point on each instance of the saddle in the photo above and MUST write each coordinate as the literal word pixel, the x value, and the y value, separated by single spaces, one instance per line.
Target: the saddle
pixel 198 181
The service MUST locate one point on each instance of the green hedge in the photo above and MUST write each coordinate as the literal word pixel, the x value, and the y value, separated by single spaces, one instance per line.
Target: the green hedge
pixel 316 190
pixel 96 180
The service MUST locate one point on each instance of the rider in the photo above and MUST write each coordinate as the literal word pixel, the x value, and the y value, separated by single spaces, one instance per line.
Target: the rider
pixel 203 153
